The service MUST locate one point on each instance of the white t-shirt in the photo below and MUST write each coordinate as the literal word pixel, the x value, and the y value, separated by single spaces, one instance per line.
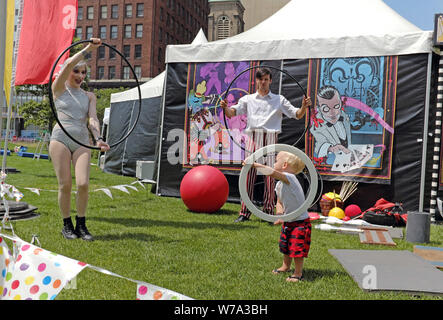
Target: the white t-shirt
pixel 291 195
pixel 265 112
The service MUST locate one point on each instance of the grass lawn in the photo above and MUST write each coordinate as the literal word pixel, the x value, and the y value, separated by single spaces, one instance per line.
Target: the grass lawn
pixel 204 256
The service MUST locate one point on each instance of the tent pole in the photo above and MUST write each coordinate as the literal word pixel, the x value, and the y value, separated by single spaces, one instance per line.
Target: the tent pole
pixel 437 141
pixel 425 137
pixel 161 132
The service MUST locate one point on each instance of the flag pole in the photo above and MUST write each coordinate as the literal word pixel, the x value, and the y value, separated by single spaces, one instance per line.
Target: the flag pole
pixel 2 60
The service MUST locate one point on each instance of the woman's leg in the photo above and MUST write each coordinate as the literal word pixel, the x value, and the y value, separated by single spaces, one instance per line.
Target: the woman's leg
pixel 61 160
pixel 81 160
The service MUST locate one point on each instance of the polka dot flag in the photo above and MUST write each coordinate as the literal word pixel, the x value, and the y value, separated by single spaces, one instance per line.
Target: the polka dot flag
pixel 35 273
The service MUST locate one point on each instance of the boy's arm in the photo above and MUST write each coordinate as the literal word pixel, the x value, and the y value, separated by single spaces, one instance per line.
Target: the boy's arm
pixel 279 209
pixel 268 171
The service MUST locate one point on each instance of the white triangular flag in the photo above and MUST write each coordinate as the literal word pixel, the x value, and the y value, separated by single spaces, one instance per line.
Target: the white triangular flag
pixel 35 190
pixel 121 188
pixel 132 187
pixel 106 191
pixel 139 183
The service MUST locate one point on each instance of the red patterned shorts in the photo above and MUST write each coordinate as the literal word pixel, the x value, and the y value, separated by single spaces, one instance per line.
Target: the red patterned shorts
pixel 295 238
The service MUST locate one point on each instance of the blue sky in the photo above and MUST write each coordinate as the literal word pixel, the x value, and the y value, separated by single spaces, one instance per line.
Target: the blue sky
pixel 419 12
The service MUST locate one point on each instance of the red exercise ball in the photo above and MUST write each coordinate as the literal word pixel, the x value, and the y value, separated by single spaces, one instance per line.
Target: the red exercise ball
pixel 204 189
pixel 352 210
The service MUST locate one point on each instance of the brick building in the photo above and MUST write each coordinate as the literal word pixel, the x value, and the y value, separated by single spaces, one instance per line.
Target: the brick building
pixel 139 29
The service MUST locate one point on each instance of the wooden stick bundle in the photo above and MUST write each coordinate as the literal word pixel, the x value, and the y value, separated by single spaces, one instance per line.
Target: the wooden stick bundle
pixel 347 189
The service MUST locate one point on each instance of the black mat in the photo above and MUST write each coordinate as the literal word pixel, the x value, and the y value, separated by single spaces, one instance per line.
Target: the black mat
pixel 390 270
pixel 19 211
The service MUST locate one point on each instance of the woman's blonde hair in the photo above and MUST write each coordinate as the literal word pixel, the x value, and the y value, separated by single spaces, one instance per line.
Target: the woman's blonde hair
pixel 295 164
pixel 80 64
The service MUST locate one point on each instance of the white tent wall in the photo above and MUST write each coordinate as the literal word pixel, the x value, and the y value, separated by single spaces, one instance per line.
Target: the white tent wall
pixel 319 29
pixel 142 143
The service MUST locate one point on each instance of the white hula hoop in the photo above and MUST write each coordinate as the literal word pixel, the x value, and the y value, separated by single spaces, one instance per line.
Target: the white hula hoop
pixel 277 148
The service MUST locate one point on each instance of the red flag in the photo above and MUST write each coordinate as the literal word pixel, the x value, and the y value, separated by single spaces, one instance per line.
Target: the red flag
pixel 47 29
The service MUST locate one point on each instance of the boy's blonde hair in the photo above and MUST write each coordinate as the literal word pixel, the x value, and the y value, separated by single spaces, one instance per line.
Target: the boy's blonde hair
pixel 295 165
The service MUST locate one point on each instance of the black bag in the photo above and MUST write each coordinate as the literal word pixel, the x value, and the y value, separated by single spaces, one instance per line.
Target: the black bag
pixel 386 213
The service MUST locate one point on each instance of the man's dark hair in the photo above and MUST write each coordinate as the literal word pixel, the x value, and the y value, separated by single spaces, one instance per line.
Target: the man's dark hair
pixel 262 72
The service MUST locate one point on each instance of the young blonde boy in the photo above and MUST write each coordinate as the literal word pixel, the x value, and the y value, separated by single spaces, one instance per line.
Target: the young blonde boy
pixel 295 236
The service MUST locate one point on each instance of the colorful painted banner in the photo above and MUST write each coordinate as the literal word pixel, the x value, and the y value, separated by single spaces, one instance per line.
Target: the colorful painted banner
pixel 352 127
pixel 209 139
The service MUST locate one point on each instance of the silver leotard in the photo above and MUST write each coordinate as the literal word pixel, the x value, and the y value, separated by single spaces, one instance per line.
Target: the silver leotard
pixel 72 111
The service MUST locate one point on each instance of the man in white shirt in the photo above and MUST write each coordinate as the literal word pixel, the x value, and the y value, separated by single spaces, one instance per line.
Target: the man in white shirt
pixel 264 111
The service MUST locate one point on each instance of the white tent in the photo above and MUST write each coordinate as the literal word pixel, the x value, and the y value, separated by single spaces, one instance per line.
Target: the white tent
pixel 153 87
pixel 315 29
pixel 142 142
pixel 319 29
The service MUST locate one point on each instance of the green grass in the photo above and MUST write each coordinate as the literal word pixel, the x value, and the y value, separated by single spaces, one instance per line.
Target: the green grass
pixel 204 256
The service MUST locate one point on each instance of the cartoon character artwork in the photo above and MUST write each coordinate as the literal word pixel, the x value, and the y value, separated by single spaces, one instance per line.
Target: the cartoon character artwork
pixel 351 127
pixel 204 126
pixel 212 138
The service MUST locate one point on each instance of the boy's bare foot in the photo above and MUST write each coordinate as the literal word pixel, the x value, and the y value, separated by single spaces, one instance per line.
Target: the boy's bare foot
pixel 294 278
pixel 280 270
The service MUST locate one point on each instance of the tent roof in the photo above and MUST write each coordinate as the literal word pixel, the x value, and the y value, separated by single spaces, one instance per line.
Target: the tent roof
pixel 315 29
pixel 153 87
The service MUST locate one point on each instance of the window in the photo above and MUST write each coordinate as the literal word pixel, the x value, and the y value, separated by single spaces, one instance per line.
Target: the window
pixel 79 32
pixel 112 53
pixel 80 13
pixel 126 72
pixel 160 34
pixel 140 8
pixel 128 11
pixel 160 55
pixel 101 52
pixel 104 12
pixel 111 72
pixel 138 51
pixel 128 31
pixel 114 11
pixel 89 32
pixel 126 51
pixel 90 13
pixel 100 72
pixel 103 32
pixel 223 27
pixel 114 32
pixel 139 31
pixel 138 71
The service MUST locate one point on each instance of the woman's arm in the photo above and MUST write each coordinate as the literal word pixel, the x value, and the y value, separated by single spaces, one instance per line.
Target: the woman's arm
pixel 58 86
pixel 94 124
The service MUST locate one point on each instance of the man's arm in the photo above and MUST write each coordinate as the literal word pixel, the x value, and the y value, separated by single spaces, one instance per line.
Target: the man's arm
pixel 229 112
pixel 304 106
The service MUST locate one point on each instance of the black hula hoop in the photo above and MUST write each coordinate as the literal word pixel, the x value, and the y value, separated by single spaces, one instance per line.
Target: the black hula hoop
pixel 301 136
pixel 51 97
pixel 255 67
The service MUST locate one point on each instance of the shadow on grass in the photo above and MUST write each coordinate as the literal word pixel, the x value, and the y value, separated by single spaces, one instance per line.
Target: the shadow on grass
pixel 316 274
pixel 221 212
pixel 133 222
pixel 126 236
